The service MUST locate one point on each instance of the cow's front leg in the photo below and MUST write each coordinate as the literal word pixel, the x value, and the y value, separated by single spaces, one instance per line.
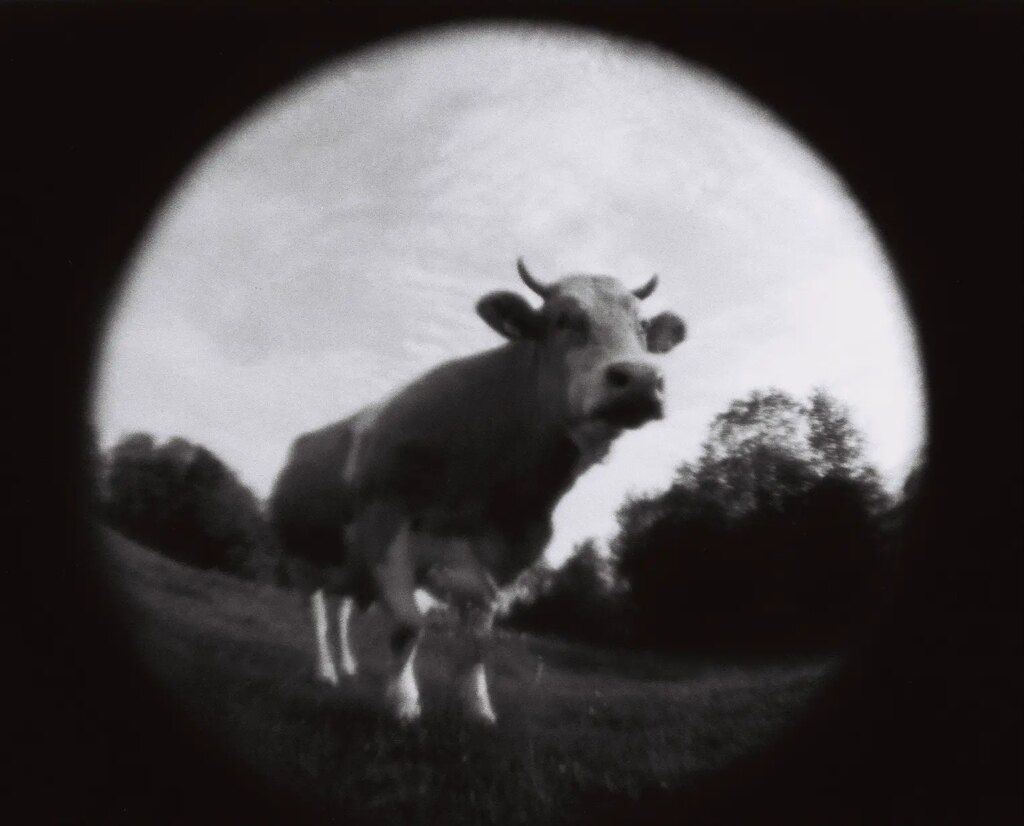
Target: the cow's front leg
pixel 477 620
pixel 402 694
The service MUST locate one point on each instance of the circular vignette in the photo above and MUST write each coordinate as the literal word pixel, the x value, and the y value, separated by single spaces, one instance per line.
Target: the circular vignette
pixel 587 180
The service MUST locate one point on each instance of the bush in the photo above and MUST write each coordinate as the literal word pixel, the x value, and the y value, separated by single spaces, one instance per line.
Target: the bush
pixel 179 498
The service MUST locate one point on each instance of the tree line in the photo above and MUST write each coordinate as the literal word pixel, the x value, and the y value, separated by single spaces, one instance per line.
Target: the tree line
pixel 779 533
pixel 182 500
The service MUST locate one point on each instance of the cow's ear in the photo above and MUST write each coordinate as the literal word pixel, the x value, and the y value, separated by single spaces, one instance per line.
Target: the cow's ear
pixel 509 315
pixel 664 332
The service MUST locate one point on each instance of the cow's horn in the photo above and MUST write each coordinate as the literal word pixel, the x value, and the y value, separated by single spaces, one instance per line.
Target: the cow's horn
pixel 646 289
pixel 541 289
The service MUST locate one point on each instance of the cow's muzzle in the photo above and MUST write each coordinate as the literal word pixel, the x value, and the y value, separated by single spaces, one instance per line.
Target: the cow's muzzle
pixel 633 394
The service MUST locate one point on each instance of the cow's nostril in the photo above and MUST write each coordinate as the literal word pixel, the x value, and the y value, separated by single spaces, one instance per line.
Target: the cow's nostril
pixel 659 384
pixel 617 376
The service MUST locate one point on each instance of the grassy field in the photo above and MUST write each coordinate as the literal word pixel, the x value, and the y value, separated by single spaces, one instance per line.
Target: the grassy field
pixel 576 723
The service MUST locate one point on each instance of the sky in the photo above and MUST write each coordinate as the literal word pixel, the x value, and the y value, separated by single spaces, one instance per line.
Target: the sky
pixel 331 246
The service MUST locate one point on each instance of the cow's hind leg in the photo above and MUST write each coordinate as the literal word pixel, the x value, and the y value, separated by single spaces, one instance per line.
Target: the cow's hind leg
pixel 325 664
pixel 346 657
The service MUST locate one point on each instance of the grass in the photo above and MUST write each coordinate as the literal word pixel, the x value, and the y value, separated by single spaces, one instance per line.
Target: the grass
pixel 576 722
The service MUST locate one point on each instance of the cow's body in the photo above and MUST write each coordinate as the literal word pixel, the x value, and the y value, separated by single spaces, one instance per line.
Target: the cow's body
pixel 450 484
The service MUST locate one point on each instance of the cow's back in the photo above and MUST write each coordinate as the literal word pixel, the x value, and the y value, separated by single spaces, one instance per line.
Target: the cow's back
pixel 310 501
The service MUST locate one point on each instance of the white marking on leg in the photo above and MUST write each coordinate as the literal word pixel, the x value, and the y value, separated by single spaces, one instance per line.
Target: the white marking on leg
pixel 347 658
pixel 402 693
pixel 475 697
pixel 324 662
pixel 398 593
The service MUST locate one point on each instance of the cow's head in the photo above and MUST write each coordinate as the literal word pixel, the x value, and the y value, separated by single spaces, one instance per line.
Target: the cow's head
pixel 594 349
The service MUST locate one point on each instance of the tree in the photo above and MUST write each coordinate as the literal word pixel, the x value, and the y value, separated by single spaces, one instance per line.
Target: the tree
pixel 834 443
pixel 132 493
pixel 774 532
pixel 578 600
pixel 754 453
pixel 95 472
pixel 181 499
pixel 586 575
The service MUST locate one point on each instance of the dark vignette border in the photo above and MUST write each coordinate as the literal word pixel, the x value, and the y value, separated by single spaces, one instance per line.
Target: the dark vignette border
pixel 916 104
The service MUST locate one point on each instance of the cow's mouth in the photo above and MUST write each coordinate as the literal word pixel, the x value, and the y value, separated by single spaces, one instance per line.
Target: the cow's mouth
pixel 629 412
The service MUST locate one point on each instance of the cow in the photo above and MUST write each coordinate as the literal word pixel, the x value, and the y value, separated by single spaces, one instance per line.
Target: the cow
pixel 449 485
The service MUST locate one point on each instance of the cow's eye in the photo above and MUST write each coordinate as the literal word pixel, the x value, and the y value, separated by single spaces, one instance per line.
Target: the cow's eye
pixel 571 321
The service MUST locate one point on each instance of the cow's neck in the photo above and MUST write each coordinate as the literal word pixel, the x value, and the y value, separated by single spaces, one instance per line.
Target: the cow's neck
pixel 482 444
pixel 542 456
pixel 591 439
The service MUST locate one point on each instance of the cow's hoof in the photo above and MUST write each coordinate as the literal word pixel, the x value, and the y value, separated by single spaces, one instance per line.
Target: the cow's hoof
pixel 478 710
pixel 476 699
pixel 406 712
pixel 482 717
pixel 329 676
pixel 404 705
